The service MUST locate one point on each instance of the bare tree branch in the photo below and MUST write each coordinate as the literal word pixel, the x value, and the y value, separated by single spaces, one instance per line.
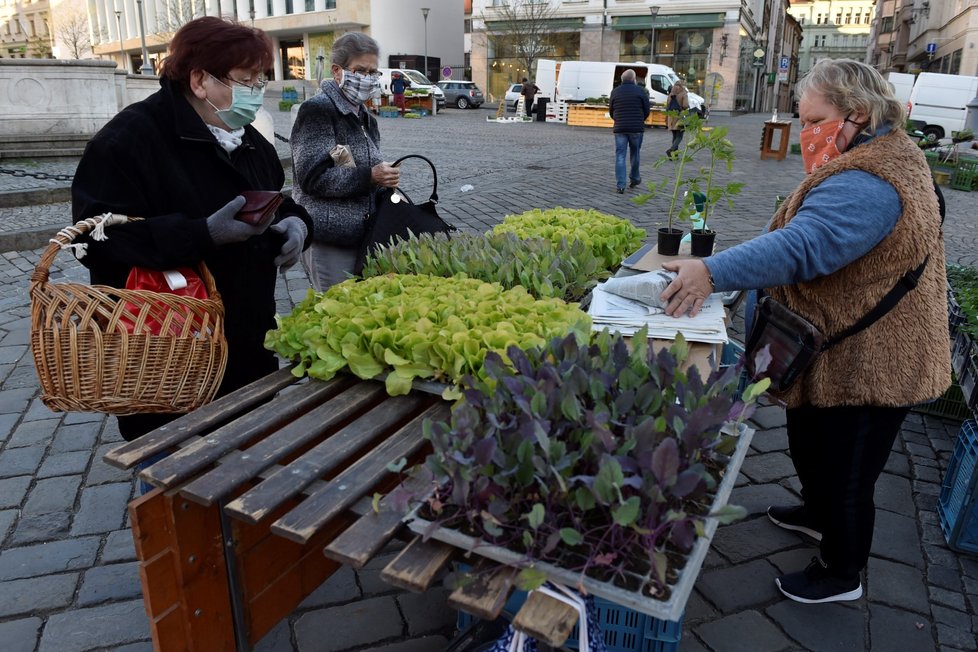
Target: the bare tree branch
pixel 72 30
pixel 174 14
pixel 519 28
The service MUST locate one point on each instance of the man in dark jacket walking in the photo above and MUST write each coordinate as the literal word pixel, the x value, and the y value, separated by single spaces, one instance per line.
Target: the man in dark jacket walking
pixel 628 107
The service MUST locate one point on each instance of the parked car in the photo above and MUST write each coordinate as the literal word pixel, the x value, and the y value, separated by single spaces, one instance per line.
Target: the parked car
pixel 513 96
pixel 462 94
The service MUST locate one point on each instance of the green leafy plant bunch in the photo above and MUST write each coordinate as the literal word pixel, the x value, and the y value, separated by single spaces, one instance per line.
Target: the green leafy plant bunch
pixel 565 270
pixel 416 326
pixel 597 458
pixel 682 205
pixel 964 285
pixel 610 238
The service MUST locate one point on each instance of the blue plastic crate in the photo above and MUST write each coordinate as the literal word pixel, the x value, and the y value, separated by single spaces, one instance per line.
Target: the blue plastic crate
pixel 624 630
pixel 956 507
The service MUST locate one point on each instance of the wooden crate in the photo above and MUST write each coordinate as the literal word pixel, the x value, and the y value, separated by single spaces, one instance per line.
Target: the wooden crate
pixel 657 118
pixel 588 115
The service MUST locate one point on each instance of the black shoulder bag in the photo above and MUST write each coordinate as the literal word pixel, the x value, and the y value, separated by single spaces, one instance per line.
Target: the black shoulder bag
pixel 396 217
pixel 794 343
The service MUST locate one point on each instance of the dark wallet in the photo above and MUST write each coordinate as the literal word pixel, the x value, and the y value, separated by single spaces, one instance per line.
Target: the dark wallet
pixel 260 206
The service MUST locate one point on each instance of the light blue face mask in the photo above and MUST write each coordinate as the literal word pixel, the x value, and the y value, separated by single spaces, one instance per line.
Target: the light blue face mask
pixel 245 102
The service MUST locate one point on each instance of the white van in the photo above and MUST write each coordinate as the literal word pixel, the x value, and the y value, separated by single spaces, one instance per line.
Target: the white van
pixel 575 81
pixel 418 82
pixel 938 103
pixel 902 84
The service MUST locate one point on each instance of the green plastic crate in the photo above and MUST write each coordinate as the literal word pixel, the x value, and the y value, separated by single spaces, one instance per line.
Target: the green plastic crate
pixel 965 176
pixel 949 406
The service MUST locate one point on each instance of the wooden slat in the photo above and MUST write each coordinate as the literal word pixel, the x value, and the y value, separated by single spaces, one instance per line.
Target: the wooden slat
pixel 255 504
pixel 150 525
pixel 365 538
pixel 200 420
pixel 301 523
pixel 418 564
pixel 169 631
pixel 160 590
pixel 546 619
pixel 241 466
pixel 174 469
pixel 484 595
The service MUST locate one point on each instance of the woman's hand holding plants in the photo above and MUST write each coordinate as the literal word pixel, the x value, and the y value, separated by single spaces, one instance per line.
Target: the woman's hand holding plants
pixel 691 288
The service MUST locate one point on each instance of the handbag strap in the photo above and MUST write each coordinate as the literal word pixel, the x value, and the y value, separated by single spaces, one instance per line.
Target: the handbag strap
pixel 906 283
pixel 434 174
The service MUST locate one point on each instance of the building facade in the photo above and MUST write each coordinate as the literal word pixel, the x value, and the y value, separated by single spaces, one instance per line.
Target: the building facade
pixel 833 29
pixel 25 29
pixel 925 35
pixel 712 43
pixel 302 31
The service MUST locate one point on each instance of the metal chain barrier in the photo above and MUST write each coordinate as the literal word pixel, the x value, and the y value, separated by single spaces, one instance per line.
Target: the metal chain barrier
pixel 44 176
pixel 282 138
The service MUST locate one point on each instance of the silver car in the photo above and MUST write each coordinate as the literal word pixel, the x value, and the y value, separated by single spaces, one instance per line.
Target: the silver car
pixel 462 94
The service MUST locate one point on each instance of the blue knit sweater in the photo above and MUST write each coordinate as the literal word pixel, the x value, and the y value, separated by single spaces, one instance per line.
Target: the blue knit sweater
pixel 628 106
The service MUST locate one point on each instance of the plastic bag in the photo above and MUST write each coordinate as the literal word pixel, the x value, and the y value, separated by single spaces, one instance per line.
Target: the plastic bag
pixel 644 288
pixel 182 281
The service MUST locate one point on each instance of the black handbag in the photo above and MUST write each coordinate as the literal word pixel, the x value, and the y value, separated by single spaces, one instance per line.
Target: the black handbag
pixel 396 217
pixel 793 343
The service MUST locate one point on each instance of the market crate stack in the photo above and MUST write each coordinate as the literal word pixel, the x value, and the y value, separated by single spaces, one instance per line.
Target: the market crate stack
pixel 965 175
pixel 956 507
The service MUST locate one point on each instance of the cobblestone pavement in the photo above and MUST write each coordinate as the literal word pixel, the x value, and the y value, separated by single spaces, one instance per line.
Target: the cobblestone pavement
pixel 68 577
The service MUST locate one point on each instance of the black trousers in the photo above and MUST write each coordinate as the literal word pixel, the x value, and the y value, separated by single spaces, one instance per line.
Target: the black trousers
pixel 839 453
pixel 677 139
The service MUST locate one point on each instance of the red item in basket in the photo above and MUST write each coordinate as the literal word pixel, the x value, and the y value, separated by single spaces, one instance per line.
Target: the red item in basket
pixel 142 278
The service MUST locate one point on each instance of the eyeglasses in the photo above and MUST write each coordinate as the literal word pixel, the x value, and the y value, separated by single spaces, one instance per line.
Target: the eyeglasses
pixel 372 76
pixel 255 87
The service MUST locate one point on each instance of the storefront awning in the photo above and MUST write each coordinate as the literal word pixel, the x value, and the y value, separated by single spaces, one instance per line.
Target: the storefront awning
pixel 675 21
pixel 551 25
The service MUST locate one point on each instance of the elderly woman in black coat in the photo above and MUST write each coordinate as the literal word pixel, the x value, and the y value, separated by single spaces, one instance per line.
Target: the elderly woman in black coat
pixel 180 159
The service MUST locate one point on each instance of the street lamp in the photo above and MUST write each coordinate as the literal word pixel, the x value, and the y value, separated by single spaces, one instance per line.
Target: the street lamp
pixel 424 12
pixel 655 12
pixel 147 67
pixel 122 50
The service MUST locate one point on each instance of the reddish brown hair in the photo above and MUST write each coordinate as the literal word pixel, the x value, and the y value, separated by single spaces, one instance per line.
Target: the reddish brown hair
pixel 217 46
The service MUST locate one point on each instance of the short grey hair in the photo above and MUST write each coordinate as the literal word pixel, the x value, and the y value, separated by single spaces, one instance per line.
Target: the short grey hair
pixel 854 87
pixel 628 75
pixel 352 45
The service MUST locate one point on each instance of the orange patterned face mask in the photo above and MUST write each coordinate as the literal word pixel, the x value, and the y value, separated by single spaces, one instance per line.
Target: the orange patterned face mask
pixel 818 144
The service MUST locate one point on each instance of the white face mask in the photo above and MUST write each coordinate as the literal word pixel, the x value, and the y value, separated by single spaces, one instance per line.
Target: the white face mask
pixel 358 87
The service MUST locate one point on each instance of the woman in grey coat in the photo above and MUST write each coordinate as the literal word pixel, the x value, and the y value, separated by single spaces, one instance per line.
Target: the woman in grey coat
pixel 339 195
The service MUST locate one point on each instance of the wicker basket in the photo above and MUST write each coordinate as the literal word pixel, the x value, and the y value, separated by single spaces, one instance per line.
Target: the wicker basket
pixel 94 352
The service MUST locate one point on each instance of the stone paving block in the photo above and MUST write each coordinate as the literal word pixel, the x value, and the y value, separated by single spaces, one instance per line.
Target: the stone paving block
pixel 940 554
pixel 58 464
pixel 951 617
pixel 369 575
pixel 102 509
pixel 757 498
pixel 690 643
pixel 338 588
pixel 12 354
pixel 918 461
pixel 7 518
pixel 767 441
pixel 895 537
pixel 894 629
pixel 52 495
pixel 898 464
pixel 698 609
pixel 770 417
pixel 752 539
pixel 426 612
pixel 41 527
pixel 22 376
pixel 893 494
pixel 920 450
pixel 931 489
pixel 102 473
pixel 110 432
pixel 944 577
pixel 142 646
pixel 71 418
pixel 119 546
pixel 20 635
pixel 16 400
pixel 897 585
pixel 39 411
pixel 13 490
pixel 768 467
pixel 76 437
pixel 113 582
pixel 20 461
pixel 750 629
pixel 45 558
pixel 106 626
pixel 423 644
pixel 911 436
pixel 740 587
pixel 279 639
pixel 957 638
pixel 947 598
pixel 798 559
pixel 817 627
pixel 928 474
pixel 328 630
pixel 7 423
pixel 35 594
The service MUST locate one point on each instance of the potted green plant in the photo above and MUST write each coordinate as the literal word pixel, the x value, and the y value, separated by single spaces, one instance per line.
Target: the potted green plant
pixel 705 186
pixel 681 204
pixel 602 459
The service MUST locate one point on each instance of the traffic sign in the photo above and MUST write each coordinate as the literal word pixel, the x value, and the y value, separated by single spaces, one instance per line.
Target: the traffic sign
pixel 784 63
pixel 931 48
pixel 446 72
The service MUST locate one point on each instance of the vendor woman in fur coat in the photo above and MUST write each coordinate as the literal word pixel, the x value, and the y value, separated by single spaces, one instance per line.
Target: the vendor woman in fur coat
pixel 866 214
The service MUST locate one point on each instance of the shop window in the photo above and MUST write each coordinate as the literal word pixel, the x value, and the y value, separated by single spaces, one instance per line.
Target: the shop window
pixel 838 18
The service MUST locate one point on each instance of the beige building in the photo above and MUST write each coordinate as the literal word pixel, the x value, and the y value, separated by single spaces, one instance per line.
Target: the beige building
pixel 710 42
pixel 925 35
pixel 833 29
pixel 24 29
